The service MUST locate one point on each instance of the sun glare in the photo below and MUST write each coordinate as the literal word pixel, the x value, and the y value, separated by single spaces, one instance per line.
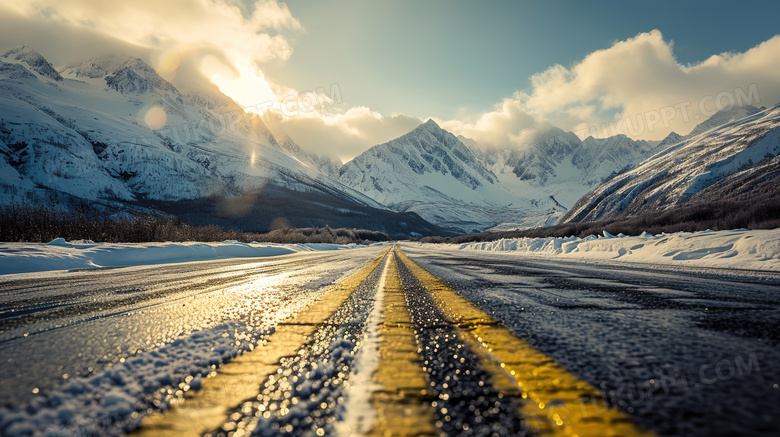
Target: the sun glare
pixel 248 86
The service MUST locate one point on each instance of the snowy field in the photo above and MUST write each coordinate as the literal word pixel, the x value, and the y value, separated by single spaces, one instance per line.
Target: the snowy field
pixel 62 255
pixel 737 249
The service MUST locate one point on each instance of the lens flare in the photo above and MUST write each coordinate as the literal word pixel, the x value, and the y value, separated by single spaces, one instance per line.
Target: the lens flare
pixel 168 63
pixel 155 118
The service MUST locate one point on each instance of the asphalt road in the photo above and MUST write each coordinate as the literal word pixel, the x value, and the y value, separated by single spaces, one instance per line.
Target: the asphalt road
pixel 369 342
pixel 79 323
pixel 684 351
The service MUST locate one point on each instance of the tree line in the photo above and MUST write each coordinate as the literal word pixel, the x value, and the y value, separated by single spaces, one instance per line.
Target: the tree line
pixel 41 224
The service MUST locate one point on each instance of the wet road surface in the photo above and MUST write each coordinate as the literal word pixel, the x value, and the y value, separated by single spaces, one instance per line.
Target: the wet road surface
pixel 683 351
pixel 381 341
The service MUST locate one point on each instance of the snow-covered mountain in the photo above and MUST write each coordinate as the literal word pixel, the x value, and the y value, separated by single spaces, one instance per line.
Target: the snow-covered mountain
pixel 431 172
pixel 739 157
pixel 111 131
pixel 425 153
pixel 560 165
pixel 452 181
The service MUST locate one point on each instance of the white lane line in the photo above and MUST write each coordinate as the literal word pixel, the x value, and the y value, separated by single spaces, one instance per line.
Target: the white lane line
pixel 358 415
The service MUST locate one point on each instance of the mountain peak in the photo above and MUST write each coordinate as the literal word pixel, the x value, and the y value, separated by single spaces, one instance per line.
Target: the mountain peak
pixel 723 116
pixel 34 60
pixel 672 138
pixel 19 50
pixel 102 66
pixel 15 50
pixel 125 74
pixel 427 161
pixel 431 124
pixel 431 128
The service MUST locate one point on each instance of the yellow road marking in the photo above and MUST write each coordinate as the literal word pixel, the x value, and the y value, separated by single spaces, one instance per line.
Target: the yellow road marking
pixel 239 380
pixel 403 405
pixel 556 402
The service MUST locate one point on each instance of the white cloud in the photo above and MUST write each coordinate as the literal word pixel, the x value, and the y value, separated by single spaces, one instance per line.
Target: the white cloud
pixel 232 33
pixel 507 126
pixel 167 24
pixel 636 87
pixel 274 15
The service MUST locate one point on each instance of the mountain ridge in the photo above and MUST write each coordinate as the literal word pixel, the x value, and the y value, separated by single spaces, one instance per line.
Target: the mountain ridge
pixel 718 160
pixel 111 130
pixel 503 188
pixel 115 134
pixel 34 60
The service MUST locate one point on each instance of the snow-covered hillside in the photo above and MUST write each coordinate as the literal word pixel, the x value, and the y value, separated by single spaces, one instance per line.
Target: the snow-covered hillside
pixel 112 128
pixel 725 115
pixel 738 158
pixel 20 258
pixel 113 132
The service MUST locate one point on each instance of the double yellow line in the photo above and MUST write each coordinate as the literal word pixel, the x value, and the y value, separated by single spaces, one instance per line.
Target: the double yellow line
pixel 403 404
pixel 552 400
pixel 233 383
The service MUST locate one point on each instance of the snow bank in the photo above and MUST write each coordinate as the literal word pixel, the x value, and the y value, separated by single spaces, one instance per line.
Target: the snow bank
pixel 62 255
pixel 742 249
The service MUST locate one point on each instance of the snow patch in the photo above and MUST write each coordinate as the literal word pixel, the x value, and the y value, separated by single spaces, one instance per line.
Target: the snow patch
pixel 62 255
pixel 739 248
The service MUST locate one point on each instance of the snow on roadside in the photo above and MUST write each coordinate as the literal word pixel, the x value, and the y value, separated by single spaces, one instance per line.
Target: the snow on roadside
pixel 109 403
pixel 62 255
pixel 736 249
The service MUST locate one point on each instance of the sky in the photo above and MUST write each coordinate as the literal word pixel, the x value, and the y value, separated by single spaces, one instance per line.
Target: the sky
pixel 346 75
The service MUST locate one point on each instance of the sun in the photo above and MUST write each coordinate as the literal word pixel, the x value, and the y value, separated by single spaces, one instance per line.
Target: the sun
pixel 248 87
